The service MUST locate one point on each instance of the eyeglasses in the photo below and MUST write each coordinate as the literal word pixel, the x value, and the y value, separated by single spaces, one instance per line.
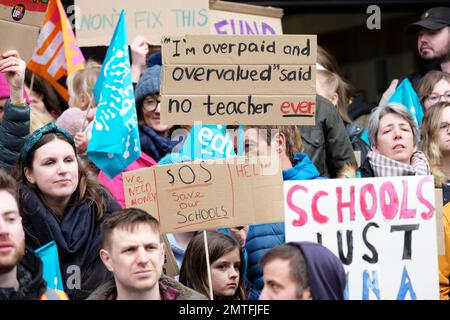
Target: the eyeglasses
pixel 435 97
pixel 150 104
pixel 444 126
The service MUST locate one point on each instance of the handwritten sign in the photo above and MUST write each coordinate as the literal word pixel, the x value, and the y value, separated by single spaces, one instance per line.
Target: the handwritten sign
pixel 239 79
pixel 382 229
pixel 20 21
pixel 151 18
pixel 202 195
pixel 230 18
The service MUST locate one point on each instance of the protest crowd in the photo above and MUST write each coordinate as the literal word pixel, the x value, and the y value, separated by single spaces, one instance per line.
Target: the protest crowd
pixel 67 150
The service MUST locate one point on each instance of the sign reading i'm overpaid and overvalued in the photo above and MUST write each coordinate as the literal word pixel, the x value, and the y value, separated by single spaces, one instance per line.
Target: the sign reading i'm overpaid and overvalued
pixel 266 80
pixel 382 229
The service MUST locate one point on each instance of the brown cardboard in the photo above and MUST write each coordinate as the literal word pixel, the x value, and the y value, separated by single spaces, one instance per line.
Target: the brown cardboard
pixel 140 190
pixel 19 37
pixel 256 109
pixel 227 23
pixel 150 18
pixel 240 49
pixel 170 267
pixel 175 79
pixel 242 8
pixel 33 15
pixel 22 32
pixel 440 222
pixel 206 195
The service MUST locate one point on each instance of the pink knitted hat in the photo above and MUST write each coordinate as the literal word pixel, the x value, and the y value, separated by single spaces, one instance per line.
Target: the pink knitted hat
pixel 4 88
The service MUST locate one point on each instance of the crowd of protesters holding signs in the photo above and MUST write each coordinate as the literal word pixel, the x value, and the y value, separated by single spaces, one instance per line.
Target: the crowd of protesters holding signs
pixel 65 175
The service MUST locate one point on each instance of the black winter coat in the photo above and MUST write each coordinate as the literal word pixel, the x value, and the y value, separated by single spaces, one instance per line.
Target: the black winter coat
pixel 13 131
pixel 327 143
pixel 77 236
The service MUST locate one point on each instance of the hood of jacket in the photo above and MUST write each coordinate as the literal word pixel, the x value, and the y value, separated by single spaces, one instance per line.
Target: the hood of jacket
pixel 105 291
pixel 326 275
pixel 302 169
pixel 31 283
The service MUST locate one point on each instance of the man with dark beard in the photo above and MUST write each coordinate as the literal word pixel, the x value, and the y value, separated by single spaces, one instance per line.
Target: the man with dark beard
pixel 20 269
pixel 433 41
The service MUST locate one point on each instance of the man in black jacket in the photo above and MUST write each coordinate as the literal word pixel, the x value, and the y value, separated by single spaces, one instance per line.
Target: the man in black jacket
pixel 433 41
pixel 15 119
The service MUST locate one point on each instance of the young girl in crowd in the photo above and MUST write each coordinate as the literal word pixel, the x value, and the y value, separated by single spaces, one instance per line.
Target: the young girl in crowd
pixel 435 143
pixel 434 87
pixel 227 266
pixel 62 203
pixel 80 85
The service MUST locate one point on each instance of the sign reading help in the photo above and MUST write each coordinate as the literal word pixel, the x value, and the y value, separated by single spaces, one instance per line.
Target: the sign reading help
pixel 382 229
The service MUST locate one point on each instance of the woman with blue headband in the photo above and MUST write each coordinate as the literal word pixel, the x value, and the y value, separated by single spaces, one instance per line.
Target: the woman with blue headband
pixel 62 203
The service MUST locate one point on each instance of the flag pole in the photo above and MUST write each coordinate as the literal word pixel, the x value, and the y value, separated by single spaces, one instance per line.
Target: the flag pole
pixel 208 267
pixel 87 114
pixel 31 82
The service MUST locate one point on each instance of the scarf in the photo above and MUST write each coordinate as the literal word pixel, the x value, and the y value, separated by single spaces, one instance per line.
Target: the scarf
pixel 386 167
pixel 154 144
pixel 77 234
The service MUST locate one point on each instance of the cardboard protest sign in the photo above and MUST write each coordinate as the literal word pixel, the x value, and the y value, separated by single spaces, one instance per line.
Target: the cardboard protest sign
pixel 150 18
pixel 382 229
pixel 170 267
pixel 239 79
pixel 440 222
pixel 205 195
pixel 229 18
pixel 20 21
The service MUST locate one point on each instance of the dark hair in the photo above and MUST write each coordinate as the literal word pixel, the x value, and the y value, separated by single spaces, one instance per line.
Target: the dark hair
pixel 8 184
pixel 126 219
pixel 88 188
pixel 297 264
pixel 292 135
pixel 50 97
pixel 193 271
pixel 336 79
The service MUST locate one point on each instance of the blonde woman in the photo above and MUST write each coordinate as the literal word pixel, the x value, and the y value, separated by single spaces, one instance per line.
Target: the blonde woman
pixel 435 143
